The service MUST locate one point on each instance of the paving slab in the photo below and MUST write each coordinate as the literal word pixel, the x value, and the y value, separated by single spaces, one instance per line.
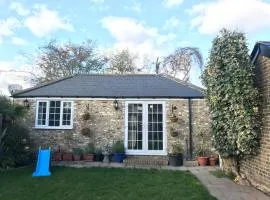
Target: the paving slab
pixel 225 189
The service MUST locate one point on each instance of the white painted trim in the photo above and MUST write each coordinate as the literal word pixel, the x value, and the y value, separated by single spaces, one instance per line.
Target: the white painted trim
pixel 145 150
pixel 47 115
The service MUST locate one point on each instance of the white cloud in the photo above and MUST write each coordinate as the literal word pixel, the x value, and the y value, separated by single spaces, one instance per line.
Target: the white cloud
pixel 45 21
pixel 19 8
pixel 8 26
pixel 99 2
pixel 171 23
pixel 246 15
pixel 136 7
pixel 14 72
pixel 172 3
pixel 98 5
pixel 141 39
pixel 18 41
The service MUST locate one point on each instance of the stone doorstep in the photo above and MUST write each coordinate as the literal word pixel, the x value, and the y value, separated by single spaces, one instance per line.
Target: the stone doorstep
pixel 146 160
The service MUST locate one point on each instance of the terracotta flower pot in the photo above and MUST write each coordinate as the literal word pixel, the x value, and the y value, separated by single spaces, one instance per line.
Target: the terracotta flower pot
pixel 212 161
pixel 67 156
pixel 88 157
pixel 57 156
pixel 77 157
pixel 202 160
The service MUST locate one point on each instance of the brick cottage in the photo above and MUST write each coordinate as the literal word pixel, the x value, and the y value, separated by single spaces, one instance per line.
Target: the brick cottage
pixel 149 113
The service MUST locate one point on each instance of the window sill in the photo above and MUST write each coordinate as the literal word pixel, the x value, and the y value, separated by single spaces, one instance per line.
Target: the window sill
pixel 54 128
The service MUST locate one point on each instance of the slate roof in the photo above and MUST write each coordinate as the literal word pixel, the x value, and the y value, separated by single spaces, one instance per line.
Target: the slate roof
pixel 114 86
pixel 260 49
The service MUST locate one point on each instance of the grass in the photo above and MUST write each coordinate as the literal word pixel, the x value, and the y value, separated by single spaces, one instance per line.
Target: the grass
pixel 222 174
pixel 101 183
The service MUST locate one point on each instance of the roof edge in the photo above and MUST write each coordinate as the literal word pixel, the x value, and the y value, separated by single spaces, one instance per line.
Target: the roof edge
pixel 183 82
pixel 40 86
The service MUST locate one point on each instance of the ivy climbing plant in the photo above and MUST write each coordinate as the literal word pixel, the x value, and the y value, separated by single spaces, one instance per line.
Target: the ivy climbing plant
pixel 232 97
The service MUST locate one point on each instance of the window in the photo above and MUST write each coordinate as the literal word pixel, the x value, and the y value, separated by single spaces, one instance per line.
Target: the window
pixel 54 114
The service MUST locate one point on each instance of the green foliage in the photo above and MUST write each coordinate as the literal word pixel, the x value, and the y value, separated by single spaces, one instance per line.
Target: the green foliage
pixel 118 147
pixel 10 110
pixel 223 174
pixel 177 149
pixel 232 97
pixel 90 148
pixel 77 151
pixel 17 147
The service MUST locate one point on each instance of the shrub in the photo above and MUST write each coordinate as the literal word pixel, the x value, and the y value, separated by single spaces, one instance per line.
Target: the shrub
pixel 77 151
pixel 232 97
pixel 17 147
pixel 118 147
pixel 90 148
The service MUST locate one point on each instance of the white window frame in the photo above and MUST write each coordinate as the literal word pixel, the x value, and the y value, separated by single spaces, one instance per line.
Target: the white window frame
pixel 46 126
pixel 145 150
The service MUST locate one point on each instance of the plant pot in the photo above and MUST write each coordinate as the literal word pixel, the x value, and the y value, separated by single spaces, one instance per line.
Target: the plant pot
pixel 57 156
pixel 106 158
pixel 173 119
pixel 98 157
pixel 213 161
pixel 77 157
pixel 202 160
pixel 119 157
pixel 88 157
pixel 67 156
pixel 176 160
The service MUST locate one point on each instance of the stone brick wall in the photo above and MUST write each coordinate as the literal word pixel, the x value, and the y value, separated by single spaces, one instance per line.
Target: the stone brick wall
pixel 257 169
pixel 200 122
pixel 107 124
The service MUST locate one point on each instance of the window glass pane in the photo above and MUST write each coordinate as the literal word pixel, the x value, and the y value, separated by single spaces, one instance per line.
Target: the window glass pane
pixel 41 118
pixel 66 114
pixel 155 127
pixel 54 113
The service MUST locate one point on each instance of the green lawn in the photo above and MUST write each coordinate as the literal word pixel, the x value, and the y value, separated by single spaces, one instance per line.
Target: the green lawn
pixel 101 183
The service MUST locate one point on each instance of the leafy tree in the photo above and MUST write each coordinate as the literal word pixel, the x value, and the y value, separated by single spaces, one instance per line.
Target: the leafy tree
pixel 57 60
pixel 179 63
pixel 122 62
pixel 232 97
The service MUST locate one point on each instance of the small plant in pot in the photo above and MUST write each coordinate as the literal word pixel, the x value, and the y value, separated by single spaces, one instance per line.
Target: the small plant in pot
pixel 98 155
pixel 57 155
pixel 118 150
pixel 67 156
pixel 176 157
pixel 77 154
pixel 202 158
pixel 88 154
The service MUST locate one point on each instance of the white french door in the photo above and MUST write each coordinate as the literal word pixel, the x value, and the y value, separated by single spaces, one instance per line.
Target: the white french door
pixel 145 128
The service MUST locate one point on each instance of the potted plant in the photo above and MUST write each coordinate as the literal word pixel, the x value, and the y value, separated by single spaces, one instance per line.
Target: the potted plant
pixel 98 156
pixel 77 153
pixel 176 157
pixel 202 154
pixel 202 158
pixel 118 150
pixel 88 154
pixel 67 156
pixel 57 155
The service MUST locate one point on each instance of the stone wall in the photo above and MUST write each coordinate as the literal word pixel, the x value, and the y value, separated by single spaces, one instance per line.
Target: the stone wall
pixel 107 124
pixel 200 123
pixel 257 169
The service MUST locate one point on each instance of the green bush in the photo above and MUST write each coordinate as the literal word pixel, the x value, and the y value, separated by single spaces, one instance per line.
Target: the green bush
pixel 90 148
pixel 77 151
pixel 118 147
pixel 17 147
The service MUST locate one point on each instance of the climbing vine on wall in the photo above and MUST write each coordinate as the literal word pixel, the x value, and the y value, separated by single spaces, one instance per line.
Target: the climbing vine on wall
pixel 232 97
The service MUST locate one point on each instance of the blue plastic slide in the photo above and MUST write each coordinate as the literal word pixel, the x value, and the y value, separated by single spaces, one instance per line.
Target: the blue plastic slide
pixel 43 163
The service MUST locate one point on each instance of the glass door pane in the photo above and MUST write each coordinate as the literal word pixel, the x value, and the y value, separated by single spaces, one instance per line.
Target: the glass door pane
pixel 155 127
pixel 135 126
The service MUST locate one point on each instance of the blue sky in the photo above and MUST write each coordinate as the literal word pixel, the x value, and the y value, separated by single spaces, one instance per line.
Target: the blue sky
pixel 149 28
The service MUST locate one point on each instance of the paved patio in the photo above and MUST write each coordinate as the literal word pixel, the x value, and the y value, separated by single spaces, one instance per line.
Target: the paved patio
pixel 221 188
